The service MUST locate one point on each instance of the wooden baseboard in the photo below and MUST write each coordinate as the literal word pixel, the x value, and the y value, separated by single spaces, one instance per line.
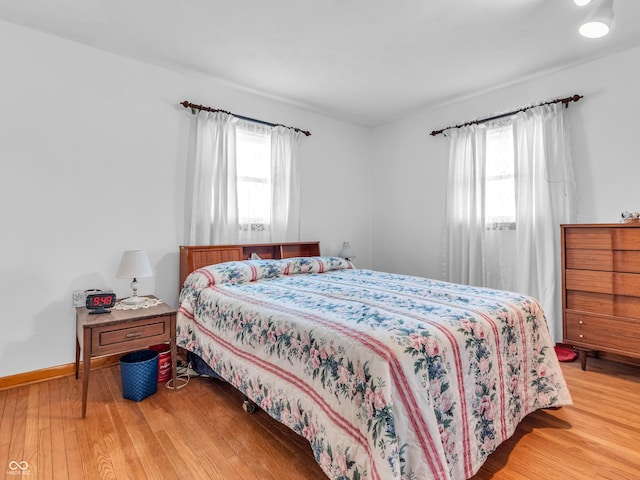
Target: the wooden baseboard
pixel 45 374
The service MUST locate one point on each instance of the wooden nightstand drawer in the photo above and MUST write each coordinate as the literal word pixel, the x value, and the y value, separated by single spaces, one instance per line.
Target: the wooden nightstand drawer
pixel 129 336
pixel 111 336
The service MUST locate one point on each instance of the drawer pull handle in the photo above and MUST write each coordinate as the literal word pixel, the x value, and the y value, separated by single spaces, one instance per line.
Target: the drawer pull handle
pixel 133 334
pixel 581 336
pixel 580 322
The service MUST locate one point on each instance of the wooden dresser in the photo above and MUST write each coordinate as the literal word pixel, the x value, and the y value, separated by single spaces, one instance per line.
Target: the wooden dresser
pixel 601 288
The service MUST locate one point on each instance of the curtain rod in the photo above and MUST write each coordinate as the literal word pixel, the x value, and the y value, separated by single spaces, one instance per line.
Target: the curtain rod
pixel 565 101
pixel 194 107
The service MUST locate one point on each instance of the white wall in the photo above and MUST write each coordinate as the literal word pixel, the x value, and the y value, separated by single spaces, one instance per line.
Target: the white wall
pixel 69 113
pixel 411 166
pixel 93 162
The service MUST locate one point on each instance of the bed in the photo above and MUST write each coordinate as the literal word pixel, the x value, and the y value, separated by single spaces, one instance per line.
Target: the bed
pixel 387 376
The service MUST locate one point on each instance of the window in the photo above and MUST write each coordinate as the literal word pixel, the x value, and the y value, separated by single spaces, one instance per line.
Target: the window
pixel 245 183
pixel 500 193
pixel 253 167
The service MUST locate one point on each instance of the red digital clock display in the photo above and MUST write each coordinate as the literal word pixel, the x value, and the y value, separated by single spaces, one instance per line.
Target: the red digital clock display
pixel 100 302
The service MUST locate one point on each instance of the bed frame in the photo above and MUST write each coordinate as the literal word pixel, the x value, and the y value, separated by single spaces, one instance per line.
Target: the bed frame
pixel 193 258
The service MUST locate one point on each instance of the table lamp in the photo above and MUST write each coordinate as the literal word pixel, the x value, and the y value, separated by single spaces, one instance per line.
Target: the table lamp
pixel 134 264
pixel 347 252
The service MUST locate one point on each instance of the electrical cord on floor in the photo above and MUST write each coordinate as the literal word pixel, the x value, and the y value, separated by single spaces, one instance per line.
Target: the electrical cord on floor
pixel 184 374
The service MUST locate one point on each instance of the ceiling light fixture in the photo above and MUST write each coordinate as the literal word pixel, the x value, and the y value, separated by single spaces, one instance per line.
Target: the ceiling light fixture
pixel 598 21
pixel 581 3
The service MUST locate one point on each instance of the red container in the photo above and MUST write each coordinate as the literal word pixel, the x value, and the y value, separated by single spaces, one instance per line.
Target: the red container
pixel 164 361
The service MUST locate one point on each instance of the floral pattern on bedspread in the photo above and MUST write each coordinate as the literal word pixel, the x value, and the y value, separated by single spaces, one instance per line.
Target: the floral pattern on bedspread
pixel 387 376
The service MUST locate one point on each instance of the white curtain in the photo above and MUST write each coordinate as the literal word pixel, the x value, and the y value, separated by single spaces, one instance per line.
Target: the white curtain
pixel 545 198
pixel 214 206
pixel 285 193
pixel 214 217
pixel 465 230
pixel 527 259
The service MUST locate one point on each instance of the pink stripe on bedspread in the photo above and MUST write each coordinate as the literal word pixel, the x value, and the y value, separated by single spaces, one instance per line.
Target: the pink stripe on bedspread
pixel 428 445
pixel 208 275
pixel 468 467
pixel 524 376
pixel 468 464
pixel 283 374
pixel 514 310
pixel 409 398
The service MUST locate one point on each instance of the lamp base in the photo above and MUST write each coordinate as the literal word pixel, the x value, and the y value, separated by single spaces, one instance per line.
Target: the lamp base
pixel 133 300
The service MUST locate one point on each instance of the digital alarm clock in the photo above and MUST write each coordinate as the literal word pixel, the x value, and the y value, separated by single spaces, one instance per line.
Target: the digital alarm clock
pixel 100 302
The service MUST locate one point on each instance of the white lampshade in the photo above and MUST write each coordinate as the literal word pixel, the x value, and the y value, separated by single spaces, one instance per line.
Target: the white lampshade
pixel 134 264
pixel 598 21
pixel 347 251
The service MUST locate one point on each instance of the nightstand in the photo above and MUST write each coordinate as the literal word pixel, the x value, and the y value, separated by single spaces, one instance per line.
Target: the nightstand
pixel 122 331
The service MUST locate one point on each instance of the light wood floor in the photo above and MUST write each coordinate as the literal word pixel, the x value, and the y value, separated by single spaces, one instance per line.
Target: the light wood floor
pixel 201 432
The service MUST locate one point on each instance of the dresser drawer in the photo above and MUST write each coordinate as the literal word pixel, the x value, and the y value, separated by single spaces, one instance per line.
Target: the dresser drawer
pixel 603 282
pixel 603 260
pixel 607 333
pixel 604 304
pixel 602 238
pixel 625 238
pixel 587 238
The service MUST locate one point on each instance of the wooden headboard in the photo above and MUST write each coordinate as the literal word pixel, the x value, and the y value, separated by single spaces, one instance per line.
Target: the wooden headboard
pixel 193 258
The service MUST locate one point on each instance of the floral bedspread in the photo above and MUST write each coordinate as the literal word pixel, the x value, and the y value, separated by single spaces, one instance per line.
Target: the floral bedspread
pixel 388 376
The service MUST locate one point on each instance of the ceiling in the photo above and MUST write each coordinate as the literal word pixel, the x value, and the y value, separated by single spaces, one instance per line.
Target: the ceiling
pixel 365 61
